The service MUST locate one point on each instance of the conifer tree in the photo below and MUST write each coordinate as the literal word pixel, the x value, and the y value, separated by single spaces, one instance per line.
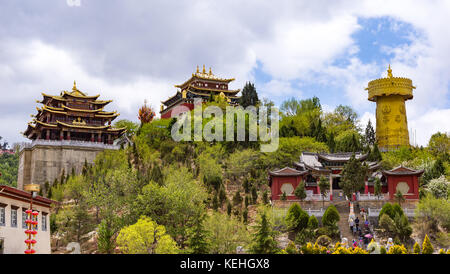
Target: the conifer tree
pixel 416 248
pixel 300 191
pixel 249 96
pixel 369 134
pixel 324 186
pixel 156 175
pixel 427 247
pixel 215 202
pixel 198 237
pixel 246 201
pixel 254 195
pixel 222 195
pixel 237 199
pixel 265 197
pixel 283 196
pixel 331 142
pixel 229 207
pixel 353 176
pixel 245 216
pixel 264 238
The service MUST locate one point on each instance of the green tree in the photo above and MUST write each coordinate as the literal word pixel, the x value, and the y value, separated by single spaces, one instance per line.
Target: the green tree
pixel 427 247
pixel 237 199
pixel 375 154
pixel 330 216
pixel 249 96
pixel 353 175
pixel 265 197
pixel 145 237
pixel 156 175
pixel 313 223
pixel 369 134
pixel 300 191
pixel 387 209
pixel 439 187
pixel 324 186
pixel 439 143
pixel 399 196
pixel 254 195
pixel 296 218
pixel 264 237
pixel 229 207
pixel 416 248
pixel 225 233
pixel 198 237
pixel 283 196
pixel 105 241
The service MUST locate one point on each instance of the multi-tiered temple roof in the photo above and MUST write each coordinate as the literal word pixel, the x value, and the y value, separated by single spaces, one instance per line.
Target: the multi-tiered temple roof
pixel 201 85
pixel 73 116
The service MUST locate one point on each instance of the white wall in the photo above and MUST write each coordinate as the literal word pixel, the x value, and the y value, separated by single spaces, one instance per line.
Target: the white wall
pixel 14 237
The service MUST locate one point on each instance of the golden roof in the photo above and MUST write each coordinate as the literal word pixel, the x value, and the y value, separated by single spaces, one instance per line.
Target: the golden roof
pixel 390 86
pixel 83 110
pixel 204 76
pixel 82 126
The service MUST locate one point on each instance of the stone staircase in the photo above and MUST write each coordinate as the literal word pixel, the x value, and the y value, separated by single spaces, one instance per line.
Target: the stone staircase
pixel 344 210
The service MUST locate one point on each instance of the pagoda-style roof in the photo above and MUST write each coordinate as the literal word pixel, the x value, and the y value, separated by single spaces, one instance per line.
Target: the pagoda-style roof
pixel 73 112
pixel 390 86
pixel 401 170
pixel 204 76
pixel 287 171
pixel 342 157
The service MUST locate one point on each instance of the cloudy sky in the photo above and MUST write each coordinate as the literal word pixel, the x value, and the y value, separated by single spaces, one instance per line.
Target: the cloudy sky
pixel 134 50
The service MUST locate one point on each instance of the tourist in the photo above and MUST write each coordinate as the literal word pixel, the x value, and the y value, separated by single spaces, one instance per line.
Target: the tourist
pixel 357 222
pixel 352 224
pixel 354 230
pixel 366 224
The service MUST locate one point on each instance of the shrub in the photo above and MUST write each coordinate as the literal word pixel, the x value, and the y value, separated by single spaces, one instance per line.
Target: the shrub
pixel 330 231
pixel 291 249
pixel 296 218
pixel 397 249
pixel 387 209
pixel 331 216
pixel 416 248
pixel 313 223
pixel 427 247
pixel 383 250
pixel 387 223
pixel 397 209
pixel 323 240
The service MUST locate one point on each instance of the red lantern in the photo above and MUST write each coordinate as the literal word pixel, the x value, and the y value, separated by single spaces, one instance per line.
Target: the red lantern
pixel 35 213
pixel 28 211
pixel 28 231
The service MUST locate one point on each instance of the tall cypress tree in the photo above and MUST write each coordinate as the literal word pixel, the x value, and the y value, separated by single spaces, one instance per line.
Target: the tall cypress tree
pixel 198 237
pixel 353 176
pixel 369 134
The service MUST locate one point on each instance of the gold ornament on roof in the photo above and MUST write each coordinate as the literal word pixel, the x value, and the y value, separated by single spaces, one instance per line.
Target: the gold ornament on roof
pixel 79 122
pixel 389 71
pixel 204 70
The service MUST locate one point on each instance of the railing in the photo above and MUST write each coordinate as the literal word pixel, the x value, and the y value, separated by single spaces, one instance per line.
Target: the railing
pixel 317 197
pixel 371 197
pixel 282 212
pixel 67 143
pixel 374 212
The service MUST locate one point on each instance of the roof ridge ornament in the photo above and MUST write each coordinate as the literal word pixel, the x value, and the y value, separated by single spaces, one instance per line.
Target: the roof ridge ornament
pixel 389 71
pixel 74 85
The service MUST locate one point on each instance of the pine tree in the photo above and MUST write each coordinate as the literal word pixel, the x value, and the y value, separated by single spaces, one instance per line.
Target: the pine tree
pixel 324 186
pixel 198 237
pixel 283 196
pixel 296 218
pixel 62 180
pixel 375 154
pixel 246 201
pixel 330 216
pixel 249 96
pixel 427 247
pixel 264 239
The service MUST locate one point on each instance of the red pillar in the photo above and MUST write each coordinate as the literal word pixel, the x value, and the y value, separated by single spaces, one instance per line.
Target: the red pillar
pixel 366 188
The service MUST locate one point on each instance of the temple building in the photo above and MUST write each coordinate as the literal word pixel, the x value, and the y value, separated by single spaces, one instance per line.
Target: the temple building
pixel 390 94
pixel 67 131
pixel 312 166
pixel 73 116
pixel 203 85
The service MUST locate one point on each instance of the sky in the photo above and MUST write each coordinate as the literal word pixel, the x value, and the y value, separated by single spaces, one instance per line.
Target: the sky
pixel 131 51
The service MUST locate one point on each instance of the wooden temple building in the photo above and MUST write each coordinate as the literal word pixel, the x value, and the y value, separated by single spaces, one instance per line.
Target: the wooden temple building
pixel 314 165
pixel 202 85
pixel 68 131
pixel 73 116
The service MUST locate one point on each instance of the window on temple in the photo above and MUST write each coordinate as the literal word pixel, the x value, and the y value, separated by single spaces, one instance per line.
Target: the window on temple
pixel 2 215
pixel 13 217
pixel 44 221
pixel 24 218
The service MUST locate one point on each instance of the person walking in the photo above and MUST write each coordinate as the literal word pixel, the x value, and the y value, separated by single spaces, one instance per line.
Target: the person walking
pixel 352 224
pixel 357 222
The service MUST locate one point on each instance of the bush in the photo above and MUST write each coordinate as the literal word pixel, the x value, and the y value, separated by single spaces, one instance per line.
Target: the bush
pixel 416 248
pixel 427 247
pixel 296 218
pixel 331 216
pixel 383 250
pixel 387 209
pixel 313 223
pixel 387 223
pixel 291 249
pixel 324 240
pixel 397 209
pixel 330 231
pixel 397 249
